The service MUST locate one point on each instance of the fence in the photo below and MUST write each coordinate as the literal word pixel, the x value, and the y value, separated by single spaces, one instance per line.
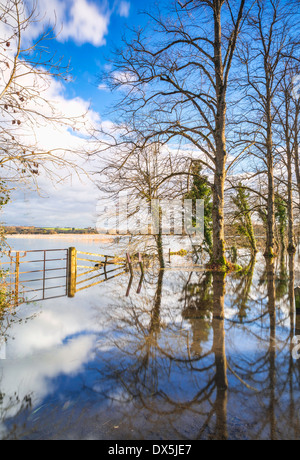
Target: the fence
pixel 53 273
pixel 80 278
pixel 36 275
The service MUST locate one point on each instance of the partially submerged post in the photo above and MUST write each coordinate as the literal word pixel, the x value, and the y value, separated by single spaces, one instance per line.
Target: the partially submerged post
pixel 72 271
pixel 105 272
pixel 141 263
pixel 140 284
pixel 129 263
pixel 129 286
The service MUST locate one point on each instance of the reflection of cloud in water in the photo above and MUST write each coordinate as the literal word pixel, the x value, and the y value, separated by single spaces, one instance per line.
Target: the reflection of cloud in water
pixel 160 360
pixel 59 341
pixel 55 323
pixel 32 375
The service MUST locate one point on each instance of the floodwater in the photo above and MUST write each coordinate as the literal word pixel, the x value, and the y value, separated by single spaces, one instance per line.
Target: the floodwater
pixel 192 356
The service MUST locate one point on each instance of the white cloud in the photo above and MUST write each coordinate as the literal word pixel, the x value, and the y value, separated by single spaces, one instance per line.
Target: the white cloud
pixel 124 9
pixel 83 21
pixel 103 87
pixel 50 120
pixel 86 24
pixel 79 196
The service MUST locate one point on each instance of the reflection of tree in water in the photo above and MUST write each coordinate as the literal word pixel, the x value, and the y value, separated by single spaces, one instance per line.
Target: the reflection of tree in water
pixel 294 366
pixel 220 356
pixel 179 371
pixel 282 279
pixel 168 373
pixel 12 403
pixel 198 308
pixel 272 345
pixel 10 316
pixel 240 294
pixel 154 372
pixel 16 406
pixel 270 371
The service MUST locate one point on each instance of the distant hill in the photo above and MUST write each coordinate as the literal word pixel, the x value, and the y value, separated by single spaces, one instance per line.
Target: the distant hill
pixel 19 230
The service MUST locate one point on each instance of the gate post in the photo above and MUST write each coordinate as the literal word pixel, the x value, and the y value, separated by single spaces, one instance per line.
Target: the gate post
pixel 129 262
pixel 72 271
pixel 17 271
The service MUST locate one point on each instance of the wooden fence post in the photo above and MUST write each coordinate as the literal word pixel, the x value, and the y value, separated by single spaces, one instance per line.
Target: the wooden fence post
pixel 17 278
pixel 141 263
pixel 129 263
pixel 129 286
pixel 140 284
pixel 105 264
pixel 72 271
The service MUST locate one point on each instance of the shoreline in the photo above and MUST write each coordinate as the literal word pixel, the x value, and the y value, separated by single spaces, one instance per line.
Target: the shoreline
pixel 85 236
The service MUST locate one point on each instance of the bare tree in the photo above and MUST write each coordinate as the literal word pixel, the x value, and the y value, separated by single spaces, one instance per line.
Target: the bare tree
pixel 242 217
pixel 287 120
pixel 27 71
pixel 151 173
pixel 296 131
pixel 179 71
pixel 272 44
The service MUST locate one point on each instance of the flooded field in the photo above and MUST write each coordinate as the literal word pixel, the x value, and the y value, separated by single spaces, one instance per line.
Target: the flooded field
pixel 187 355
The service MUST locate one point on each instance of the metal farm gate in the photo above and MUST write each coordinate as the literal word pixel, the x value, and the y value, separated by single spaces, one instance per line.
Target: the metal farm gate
pixel 35 275
pixel 32 276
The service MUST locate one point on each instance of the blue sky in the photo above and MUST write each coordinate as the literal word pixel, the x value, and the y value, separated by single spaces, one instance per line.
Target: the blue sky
pixel 88 60
pixel 87 31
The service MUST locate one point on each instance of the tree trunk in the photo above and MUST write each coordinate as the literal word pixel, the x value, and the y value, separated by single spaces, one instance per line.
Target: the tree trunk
pixel 270 247
pixel 220 138
pixel 291 235
pixel 160 249
pixel 296 150
pixel 218 215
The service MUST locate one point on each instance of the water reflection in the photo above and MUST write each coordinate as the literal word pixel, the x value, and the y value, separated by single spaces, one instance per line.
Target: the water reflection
pixel 242 289
pixel 197 309
pixel 146 370
pixel 220 356
pixel 190 355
